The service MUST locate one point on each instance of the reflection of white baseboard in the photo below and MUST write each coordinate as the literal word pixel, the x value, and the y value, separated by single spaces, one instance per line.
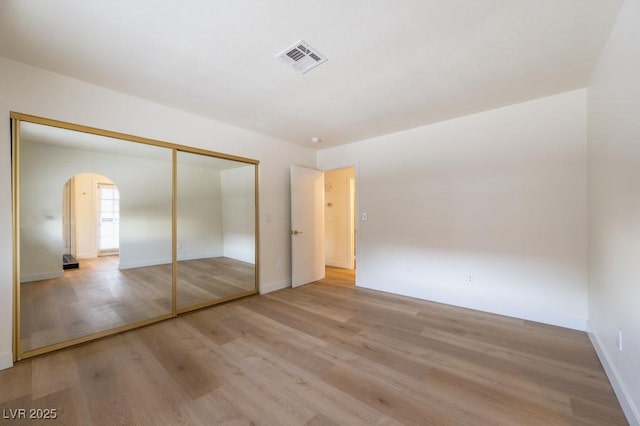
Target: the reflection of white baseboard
pixel 242 257
pixel 27 278
pixel 86 255
pixel 196 256
pixel 154 262
pixel 6 360
pixel 628 406
pixel 142 263
pixel 245 260
pixel 279 285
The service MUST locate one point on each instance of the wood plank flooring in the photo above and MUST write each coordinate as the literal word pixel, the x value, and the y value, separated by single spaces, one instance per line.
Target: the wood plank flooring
pixel 323 354
pixel 99 296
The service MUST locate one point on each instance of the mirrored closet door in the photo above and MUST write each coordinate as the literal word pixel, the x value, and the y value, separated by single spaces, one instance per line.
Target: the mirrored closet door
pixel 115 231
pixel 216 247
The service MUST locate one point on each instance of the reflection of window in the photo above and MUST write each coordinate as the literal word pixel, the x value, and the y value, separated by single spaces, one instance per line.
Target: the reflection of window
pixel 108 218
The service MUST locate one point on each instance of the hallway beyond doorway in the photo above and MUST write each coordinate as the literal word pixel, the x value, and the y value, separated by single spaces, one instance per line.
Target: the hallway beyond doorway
pixel 340 276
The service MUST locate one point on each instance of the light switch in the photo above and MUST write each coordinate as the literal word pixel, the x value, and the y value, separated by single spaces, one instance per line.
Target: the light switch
pixel 365 217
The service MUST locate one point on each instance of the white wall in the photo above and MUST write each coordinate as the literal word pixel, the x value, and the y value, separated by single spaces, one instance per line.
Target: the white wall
pixel 199 212
pixel 42 216
pixel 499 196
pixel 145 205
pixel 614 207
pixel 338 216
pixel 238 213
pixel 34 91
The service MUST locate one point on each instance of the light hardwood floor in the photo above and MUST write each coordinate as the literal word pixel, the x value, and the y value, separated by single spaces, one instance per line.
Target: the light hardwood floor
pixel 340 276
pixel 325 353
pixel 99 296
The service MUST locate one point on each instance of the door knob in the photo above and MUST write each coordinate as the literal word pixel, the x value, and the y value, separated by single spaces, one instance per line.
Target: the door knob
pixel 296 232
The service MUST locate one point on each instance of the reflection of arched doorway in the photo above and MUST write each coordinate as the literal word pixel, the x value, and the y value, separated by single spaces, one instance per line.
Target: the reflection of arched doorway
pixel 91 218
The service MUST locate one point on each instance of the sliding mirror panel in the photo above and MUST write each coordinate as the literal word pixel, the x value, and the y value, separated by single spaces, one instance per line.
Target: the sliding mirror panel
pixel 216 230
pixel 95 235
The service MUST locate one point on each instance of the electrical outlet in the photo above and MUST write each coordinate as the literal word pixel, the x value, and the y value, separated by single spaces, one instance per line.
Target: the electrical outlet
pixel 470 279
pixel 619 339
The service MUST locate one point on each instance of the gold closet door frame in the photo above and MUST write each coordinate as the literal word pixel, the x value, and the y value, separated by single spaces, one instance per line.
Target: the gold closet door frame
pixel 16 119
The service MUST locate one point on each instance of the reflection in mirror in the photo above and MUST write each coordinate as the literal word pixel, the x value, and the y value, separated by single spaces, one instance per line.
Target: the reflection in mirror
pixel 215 229
pixel 95 234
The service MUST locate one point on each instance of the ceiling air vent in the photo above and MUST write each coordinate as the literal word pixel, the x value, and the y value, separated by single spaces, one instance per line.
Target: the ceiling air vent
pixel 301 57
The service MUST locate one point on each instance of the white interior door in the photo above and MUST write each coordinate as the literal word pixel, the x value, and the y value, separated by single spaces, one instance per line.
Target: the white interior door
pixel 307 225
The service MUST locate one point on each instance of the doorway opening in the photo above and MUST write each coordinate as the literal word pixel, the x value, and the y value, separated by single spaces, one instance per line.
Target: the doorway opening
pixel 340 225
pixel 108 219
pixel 90 218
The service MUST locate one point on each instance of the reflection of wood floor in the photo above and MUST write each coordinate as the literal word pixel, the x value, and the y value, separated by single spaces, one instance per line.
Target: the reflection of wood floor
pixel 340 276
pixel 99 296
pixel 323 353
pixel 214 278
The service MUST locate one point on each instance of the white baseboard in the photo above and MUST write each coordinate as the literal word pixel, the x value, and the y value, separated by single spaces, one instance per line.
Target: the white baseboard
pixel 627 403
pixel 6 360
pixel 560 320
pixel 278 285
pixel 551 318
pixel 338 263
pixel 27 278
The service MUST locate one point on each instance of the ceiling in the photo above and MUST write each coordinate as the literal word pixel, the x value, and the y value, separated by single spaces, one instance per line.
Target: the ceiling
pixel 392 65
